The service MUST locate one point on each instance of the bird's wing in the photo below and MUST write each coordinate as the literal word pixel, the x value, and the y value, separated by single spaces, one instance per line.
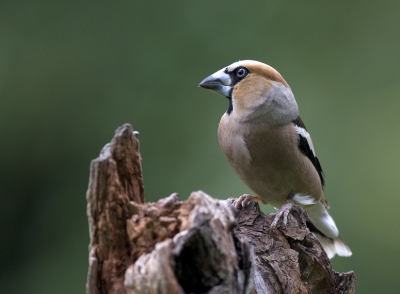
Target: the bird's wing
pixel 307 147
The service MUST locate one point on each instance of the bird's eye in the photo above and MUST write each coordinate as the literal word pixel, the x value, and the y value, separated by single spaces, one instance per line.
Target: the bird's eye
pixel 241 72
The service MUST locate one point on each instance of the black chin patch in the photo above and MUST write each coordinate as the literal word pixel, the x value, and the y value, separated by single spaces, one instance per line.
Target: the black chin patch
pixel 230 108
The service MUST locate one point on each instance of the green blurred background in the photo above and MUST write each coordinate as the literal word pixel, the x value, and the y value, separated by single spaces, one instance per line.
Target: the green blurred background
pixel 71 72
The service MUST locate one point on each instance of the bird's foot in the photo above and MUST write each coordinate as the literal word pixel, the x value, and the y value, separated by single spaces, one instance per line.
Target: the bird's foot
pixel 283 214
pixel 244 200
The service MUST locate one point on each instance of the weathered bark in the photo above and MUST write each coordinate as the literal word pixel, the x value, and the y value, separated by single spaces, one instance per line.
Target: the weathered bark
pixel 288 258
pixel 115 181
pixel 201 245
pixel 187 247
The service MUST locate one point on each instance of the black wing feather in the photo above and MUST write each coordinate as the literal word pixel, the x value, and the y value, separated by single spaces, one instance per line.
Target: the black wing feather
pixel 305 148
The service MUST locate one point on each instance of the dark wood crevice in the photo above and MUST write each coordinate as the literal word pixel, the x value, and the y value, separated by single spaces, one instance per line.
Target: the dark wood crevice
pixel 200 245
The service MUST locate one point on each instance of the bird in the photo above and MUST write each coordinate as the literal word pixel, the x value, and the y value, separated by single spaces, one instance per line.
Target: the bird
pixel 269 147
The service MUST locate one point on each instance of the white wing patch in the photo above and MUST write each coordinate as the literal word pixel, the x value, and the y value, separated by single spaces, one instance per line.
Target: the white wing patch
pixel 303 199
pixel 302 132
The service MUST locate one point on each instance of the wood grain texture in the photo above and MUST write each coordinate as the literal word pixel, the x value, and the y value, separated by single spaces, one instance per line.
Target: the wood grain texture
pixel 288 257
pixel 201 245
pixel 115 180
pixel 188 247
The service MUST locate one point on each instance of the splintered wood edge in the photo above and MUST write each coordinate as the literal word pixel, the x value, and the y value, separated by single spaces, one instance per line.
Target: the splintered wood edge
pixel 115 181
pixel 287 254
pixel 127 235
pixel 204 237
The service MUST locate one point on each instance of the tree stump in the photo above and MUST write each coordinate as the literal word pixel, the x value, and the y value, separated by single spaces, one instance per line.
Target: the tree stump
pixel 201 245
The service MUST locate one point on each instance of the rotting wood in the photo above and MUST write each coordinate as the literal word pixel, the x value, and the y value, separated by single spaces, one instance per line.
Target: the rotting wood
pixel 201 245
pixel 288 257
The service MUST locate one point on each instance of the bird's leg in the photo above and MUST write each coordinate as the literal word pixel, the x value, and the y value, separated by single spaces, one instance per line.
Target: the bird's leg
pixel 244 200
pixel 282 213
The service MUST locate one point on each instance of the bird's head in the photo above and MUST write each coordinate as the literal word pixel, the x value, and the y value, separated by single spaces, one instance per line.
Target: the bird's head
pixel 256 92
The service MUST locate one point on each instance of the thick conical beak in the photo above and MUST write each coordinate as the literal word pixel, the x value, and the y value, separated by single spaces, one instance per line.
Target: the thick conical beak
pixel 219 82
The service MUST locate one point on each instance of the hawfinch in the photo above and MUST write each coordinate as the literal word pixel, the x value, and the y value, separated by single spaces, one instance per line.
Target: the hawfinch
pixel 268 146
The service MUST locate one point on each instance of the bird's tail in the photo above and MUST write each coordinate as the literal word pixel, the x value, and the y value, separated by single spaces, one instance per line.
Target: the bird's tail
pixel 332 246
pixel 323 226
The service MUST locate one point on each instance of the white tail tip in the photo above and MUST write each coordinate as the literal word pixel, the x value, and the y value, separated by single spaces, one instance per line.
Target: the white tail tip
pixel 334 246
